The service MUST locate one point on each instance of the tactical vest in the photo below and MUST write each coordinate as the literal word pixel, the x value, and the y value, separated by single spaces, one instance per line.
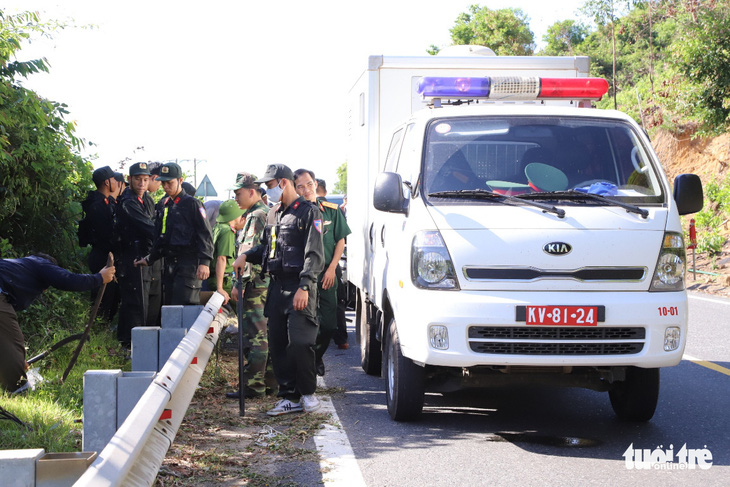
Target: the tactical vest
pixel 286 244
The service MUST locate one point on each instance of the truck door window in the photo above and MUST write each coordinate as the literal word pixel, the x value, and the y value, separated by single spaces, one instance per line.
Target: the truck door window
pixel 394 151
pixel 531 154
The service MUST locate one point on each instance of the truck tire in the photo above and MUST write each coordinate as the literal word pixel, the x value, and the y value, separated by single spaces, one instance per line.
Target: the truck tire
pixel 405 382
pixel 371 356
pixel 635 399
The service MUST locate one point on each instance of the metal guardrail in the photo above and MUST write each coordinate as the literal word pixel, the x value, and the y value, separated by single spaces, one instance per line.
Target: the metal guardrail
pixel 134 455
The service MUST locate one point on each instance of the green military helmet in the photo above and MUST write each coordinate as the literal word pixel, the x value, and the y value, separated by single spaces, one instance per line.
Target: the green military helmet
pixel 229 211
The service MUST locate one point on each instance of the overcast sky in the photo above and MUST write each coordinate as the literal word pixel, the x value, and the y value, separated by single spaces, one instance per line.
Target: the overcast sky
pixel 236 85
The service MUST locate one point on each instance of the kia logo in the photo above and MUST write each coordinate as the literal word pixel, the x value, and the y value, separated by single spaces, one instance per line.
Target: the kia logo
pixel 557 248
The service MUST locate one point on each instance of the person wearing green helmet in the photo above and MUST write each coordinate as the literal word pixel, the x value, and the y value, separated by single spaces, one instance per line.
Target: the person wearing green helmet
pixel 229 221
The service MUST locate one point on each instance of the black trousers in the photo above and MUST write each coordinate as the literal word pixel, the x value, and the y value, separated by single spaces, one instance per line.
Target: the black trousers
pixel 340 335
pixel 292 335
pixel 12 348
pixel 134 286
pixel 154 305
pixel 110 301
pixel 180 284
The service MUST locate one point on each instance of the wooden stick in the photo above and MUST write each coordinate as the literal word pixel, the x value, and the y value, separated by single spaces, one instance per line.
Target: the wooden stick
pixel 92 317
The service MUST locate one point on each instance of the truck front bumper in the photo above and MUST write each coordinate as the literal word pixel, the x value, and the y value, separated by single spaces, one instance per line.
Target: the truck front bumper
pixel 482 329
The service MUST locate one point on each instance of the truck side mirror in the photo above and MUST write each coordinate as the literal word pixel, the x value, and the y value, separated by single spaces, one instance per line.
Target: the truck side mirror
pixel 688 193
pixel 388 194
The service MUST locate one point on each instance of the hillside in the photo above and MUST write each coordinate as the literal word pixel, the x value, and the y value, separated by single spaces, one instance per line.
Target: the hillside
pixel 708 158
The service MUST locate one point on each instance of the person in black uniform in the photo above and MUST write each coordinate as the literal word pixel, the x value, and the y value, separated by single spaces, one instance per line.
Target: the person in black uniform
pixel 135 228
pixel 21 282
pixel 97 229
pixel 154 303
pixel 292 253
pixel 183 238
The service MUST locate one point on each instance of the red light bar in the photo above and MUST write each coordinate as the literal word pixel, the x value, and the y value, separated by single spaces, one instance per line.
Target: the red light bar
pixel 573 88
pixel 513 88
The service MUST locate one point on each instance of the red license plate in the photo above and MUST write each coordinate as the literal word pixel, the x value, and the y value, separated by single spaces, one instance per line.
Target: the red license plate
pixel 562 315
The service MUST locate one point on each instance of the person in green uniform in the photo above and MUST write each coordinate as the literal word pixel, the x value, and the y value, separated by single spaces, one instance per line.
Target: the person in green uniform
pixel 229 221
pixel 334 231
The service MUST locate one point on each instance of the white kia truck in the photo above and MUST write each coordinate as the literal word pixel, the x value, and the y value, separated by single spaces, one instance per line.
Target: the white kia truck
pixel 506 232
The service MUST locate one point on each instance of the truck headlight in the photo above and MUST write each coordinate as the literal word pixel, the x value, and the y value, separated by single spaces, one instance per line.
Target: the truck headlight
pixel 669 273
pixel 431 265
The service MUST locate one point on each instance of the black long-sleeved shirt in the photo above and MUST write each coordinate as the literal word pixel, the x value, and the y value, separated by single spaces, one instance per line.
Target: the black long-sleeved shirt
pixel 24 279
pixel 135 223
pixel 182 229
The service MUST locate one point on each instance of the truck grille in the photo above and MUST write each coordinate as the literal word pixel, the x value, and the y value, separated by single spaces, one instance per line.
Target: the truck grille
pixel 543 340
pixel 586 274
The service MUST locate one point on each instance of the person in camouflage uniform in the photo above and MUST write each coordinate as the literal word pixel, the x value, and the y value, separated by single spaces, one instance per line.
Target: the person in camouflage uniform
pixel 259 370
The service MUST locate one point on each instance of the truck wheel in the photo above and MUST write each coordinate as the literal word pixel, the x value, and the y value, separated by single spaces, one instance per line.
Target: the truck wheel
pixel 371 355
pixel 635 399
pixel 405 382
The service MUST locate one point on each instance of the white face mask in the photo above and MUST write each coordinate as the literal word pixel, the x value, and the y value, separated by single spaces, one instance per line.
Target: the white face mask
pixel 274 194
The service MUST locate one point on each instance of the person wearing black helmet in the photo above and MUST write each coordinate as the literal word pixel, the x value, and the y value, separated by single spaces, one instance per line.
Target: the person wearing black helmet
pixel 292 254
pixel 135 229
pixel 183 238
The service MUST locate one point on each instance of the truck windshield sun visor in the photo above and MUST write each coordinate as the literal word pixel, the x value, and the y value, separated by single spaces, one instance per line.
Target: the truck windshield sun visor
pixel 606 159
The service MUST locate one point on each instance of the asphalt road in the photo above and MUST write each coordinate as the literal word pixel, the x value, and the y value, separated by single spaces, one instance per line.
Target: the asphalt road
pixel 546 436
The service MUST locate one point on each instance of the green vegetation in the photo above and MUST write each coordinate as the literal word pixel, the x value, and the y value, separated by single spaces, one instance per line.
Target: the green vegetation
pixel 712 217
pixel 52 412
pixel 668 61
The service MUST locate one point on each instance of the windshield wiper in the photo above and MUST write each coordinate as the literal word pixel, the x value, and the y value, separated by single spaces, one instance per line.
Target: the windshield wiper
pixel 483 193
pixel 573 194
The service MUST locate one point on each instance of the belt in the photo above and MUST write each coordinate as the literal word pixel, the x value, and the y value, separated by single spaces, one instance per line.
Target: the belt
pixel 191 259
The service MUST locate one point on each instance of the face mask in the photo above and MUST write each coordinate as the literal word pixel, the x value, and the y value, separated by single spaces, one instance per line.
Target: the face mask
pixel 274 194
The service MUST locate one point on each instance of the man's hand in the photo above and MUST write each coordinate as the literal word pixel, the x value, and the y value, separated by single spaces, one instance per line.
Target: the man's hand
pixel 234 292
pixel 107 274
pixel 301 297
pixel 239 264
pixel 203 272
pixel 226 297
pixel 144 261
pixel 329 278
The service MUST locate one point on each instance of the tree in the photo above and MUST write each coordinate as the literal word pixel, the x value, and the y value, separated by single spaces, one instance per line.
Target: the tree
pixel 42 175
pixel 341 184
pixel 563 38
pixel 703 53
pixel 505 31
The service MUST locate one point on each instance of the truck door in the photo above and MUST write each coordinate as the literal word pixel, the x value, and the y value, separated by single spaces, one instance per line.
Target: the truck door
pixel 387 227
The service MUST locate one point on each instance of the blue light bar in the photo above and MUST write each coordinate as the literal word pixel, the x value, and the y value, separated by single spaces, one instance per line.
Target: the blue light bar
pixel 434 87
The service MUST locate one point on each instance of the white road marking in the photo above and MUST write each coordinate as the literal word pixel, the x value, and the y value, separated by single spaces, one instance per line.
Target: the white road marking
pixel 709 300
pixel 337 460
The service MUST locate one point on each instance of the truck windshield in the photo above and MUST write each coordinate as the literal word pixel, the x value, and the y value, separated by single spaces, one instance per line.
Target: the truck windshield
pixel 538 155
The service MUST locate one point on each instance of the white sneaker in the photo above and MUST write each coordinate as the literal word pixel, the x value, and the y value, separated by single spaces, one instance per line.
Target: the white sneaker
pixel 285 406
pixel 311 403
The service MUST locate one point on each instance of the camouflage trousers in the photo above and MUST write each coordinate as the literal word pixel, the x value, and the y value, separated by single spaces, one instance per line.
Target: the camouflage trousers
pixel 259 371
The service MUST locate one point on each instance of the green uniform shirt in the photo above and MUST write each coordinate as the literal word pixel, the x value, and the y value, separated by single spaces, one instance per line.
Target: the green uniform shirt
pixel 251 235
pixel 334 228
pixel 224 243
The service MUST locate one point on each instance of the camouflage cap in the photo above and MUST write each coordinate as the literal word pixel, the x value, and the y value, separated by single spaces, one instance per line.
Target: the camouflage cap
pixel 245 180
pixel 139 168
